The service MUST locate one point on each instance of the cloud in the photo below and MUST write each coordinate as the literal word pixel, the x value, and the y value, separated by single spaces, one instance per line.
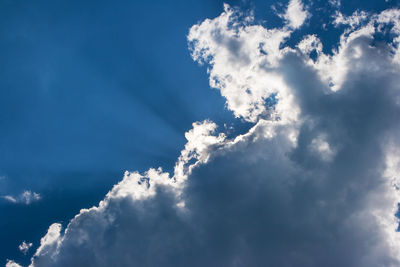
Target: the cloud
pixel 295 14
pixel 313 183
pixel 26 197
pixel 10 199
pixel 335 3
pixel 238 54
pixel 11 263
pixel 24 247
pixel 49 243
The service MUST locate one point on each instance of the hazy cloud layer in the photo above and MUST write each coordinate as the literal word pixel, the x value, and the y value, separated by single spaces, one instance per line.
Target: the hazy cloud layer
pixel 313 183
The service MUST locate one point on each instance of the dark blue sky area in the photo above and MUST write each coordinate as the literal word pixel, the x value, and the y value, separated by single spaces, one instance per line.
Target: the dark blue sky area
pixel 89 89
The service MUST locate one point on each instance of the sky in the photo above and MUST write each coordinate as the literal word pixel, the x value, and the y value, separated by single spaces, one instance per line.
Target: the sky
pixel 203 133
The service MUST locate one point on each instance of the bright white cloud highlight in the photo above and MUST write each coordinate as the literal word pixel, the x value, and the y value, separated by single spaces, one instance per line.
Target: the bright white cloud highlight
pixel 11 263
pixel 295 14
pixel 24 247
pixel 239 55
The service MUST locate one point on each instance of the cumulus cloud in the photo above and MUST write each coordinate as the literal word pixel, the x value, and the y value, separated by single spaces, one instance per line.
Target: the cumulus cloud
pixel 295 14
pixel 238 53
pixel 313 183
pixel 26 197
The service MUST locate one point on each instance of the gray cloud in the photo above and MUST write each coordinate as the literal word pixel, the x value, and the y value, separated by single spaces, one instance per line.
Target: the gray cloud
pixel 314 185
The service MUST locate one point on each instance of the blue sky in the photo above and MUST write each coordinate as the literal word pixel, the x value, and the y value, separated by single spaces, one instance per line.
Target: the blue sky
pixel 89 90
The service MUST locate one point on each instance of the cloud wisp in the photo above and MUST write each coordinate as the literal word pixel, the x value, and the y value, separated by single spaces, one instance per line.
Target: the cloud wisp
pixel 313 183
pixel 24 247
pixel 27 197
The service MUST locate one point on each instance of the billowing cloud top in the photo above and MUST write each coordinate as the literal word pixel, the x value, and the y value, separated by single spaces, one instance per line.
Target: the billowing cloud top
pixel 313 183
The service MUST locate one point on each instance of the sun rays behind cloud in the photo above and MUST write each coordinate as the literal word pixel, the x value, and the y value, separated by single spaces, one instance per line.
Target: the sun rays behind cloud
pixel 313 183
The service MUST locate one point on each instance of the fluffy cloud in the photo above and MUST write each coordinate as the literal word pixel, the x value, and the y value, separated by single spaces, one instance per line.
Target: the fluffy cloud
pixel 11 263
pixel 295 14
pixel 313 183
pixel 238 53
pixel 26 197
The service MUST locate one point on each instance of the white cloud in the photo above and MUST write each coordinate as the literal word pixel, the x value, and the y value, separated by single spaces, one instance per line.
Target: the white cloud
pixel 310 43
pixel 50 242
pixel 315 181
pixel 355 20
pixel 11 263
pixel 240 56
pixel 24 247
pixel 26 197
pixel 295 14
pixel 10 199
